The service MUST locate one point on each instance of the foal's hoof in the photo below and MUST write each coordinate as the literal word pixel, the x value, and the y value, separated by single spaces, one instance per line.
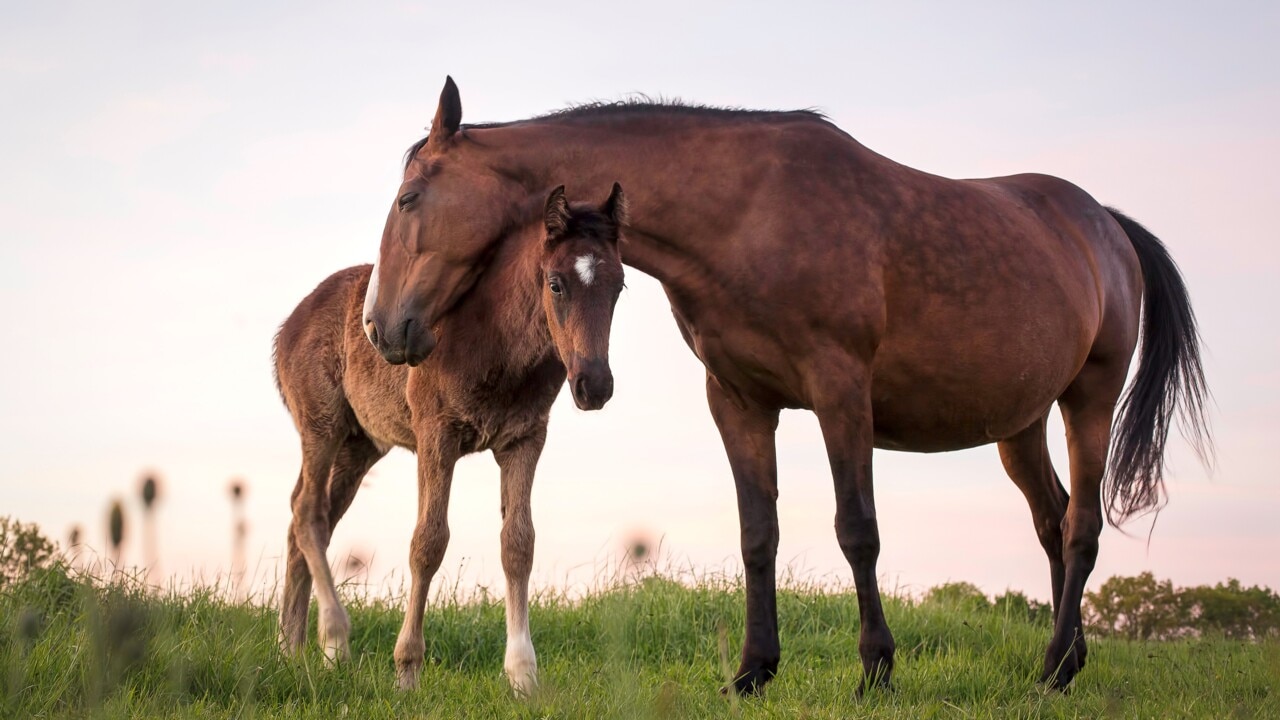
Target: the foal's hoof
pixel 336 651
pixel 289 646
pixel 750 681
pixel 407 677
pixel 521 667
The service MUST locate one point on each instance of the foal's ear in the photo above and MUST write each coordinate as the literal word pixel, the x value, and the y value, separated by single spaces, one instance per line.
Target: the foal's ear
pixel 556 214
pixel 615 207
pixel 448 113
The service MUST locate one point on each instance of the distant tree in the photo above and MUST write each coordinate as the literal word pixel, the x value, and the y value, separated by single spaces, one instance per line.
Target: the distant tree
pixel 22 549
pixel 1016 605
pixel 1232 610
pixel 958 594
pixel 1137 608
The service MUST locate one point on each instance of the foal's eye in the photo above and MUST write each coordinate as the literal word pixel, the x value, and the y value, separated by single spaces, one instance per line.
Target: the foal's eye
pixel 554 284
pixel 406 199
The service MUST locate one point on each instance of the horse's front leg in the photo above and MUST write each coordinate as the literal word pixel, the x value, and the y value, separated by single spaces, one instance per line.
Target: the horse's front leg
pixel 437 453
pixel 518 463
pixel 748 434
pixel 845 417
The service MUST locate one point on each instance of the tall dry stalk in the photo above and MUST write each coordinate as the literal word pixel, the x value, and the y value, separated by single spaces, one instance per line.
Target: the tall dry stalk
pixel 239 537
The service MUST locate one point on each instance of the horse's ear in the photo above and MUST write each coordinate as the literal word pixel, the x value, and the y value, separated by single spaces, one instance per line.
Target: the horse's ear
pixel 556 215
pixel 615 207
pixel 448 113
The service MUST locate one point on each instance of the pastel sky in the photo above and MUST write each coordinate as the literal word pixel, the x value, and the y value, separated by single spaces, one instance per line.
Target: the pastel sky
pixel 175 177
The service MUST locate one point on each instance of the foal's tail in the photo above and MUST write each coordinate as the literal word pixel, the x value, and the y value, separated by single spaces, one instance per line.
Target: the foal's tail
pixel 1170 381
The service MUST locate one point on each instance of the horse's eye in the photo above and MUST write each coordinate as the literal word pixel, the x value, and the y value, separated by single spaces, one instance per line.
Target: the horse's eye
pixel 406 199
pixel 554 284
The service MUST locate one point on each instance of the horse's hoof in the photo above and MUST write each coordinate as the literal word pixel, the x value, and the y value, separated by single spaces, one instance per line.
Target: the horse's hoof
pixel 867 687
pixel 1060 677
pixel 750 682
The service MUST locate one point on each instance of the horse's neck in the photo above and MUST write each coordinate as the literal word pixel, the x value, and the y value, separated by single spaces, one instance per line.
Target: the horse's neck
pixel 588 160
pixel 677 221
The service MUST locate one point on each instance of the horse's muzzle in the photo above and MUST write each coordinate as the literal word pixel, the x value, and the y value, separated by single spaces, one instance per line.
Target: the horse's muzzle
pixel 409 343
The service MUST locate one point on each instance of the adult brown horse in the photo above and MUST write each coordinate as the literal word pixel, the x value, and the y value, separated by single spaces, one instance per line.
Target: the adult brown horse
pixel 906 310
pixel 545 302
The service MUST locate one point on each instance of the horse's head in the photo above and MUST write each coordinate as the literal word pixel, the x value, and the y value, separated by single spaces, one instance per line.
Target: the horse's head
pixel 445 221
pixel 583 278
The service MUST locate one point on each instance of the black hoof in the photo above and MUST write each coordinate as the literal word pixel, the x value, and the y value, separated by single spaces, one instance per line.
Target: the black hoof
pixel 1060 677
pixel 880 683
pixel 750 681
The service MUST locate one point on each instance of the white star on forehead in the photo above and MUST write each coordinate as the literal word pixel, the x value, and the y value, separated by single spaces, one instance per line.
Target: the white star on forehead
pixel 586 267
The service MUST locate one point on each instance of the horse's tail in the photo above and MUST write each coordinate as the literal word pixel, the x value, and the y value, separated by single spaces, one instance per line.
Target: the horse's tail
pixel 1169 381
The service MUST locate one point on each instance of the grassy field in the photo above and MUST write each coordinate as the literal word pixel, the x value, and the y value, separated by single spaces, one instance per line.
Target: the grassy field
pixel 654 649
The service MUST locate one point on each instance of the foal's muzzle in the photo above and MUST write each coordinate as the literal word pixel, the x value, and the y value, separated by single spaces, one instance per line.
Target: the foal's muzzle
pixel 591 383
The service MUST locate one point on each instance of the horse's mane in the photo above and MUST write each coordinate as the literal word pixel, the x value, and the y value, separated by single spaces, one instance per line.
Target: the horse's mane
pixel 638 104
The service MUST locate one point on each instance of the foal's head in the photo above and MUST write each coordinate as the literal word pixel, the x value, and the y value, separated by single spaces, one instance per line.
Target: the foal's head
pixel 582 273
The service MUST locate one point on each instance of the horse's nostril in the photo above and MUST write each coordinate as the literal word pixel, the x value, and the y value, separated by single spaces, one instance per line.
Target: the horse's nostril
pixel 371 329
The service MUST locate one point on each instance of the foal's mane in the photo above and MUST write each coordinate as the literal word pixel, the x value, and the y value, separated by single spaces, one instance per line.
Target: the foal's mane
pixel 638 104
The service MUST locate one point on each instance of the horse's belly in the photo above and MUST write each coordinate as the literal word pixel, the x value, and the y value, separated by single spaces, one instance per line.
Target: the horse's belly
pixel 966 401
pixel 950 423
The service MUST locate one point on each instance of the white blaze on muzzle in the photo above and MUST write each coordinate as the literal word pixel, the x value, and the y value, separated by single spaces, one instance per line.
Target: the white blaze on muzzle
pixel 370 298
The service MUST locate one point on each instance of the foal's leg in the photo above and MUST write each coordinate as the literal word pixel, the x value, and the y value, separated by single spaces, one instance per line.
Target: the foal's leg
pixel 310 532
pixel 847 429
pixel 1087 407
pixel 354 459
pixel 748 434
pixel 1026 460
pixel 437 453
pixel 357 455
pixel 518 463
pixel 297 589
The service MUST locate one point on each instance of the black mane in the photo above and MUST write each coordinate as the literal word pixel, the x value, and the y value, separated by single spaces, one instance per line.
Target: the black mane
pixel 636 105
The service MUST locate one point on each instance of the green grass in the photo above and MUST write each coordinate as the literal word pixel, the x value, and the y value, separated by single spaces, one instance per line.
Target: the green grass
pixel 70 648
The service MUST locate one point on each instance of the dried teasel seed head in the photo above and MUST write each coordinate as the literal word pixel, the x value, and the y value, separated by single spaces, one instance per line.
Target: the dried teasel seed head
pixel 150 490
pixel 116 523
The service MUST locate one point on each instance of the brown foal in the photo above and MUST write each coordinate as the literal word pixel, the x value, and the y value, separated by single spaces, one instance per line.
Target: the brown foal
pixel 542 303
pixel 906 310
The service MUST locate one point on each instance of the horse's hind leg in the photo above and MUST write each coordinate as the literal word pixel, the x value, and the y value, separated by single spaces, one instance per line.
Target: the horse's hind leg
pixel 518 463
pixel 357 454
pixel 354 458
pixel 297 590
pixel 1087 407
pixel 310 532
pixel 1026 460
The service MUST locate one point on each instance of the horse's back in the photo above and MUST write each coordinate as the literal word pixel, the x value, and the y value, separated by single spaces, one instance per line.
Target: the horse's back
pixel 309 349
pixel 329 375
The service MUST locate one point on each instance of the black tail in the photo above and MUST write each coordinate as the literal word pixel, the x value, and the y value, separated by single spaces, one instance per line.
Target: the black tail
pixel 1170 381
